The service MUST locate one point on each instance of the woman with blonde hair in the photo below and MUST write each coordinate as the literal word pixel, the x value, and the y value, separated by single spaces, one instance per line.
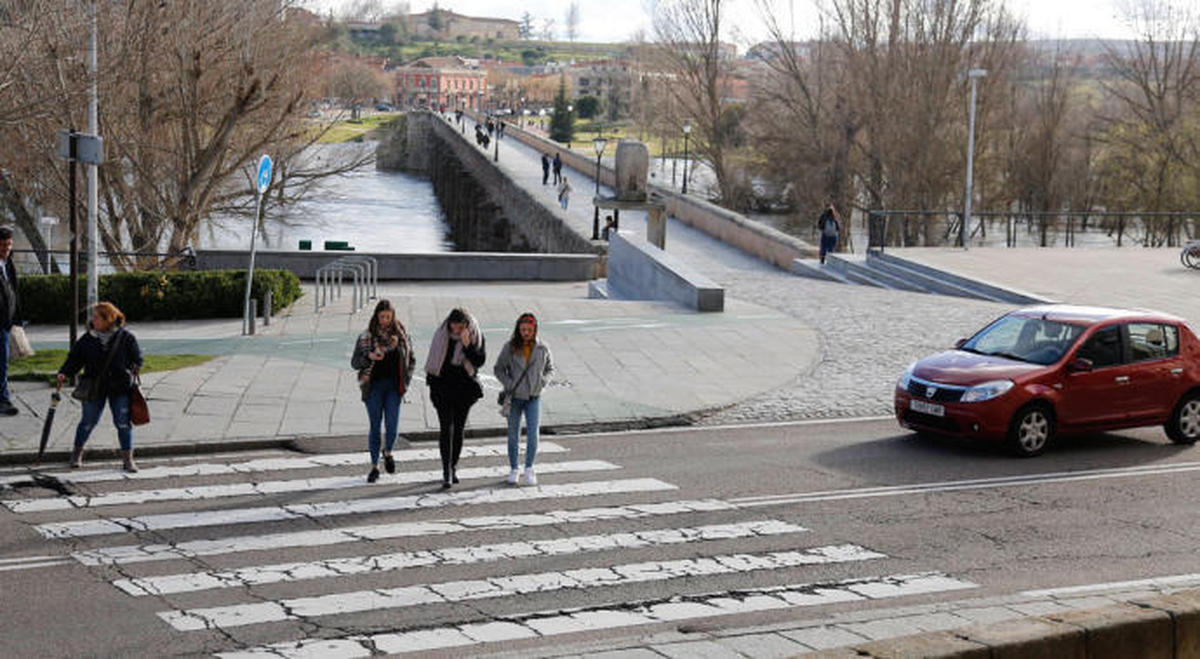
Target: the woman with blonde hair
pixel 383 358
pixel 110 358
pixel 524 368
pixel 456 354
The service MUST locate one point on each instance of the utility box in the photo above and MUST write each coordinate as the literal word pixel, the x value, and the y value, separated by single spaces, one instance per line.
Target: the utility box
pixel 306 245
pixel 633 168
pixel 338 246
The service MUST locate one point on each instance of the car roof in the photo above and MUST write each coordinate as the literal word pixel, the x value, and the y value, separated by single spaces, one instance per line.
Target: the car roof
pixel 1084 314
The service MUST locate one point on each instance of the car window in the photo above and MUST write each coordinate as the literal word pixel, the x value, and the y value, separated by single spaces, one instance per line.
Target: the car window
pixel 1103 348
pixel 1148 341
pixel 1027 339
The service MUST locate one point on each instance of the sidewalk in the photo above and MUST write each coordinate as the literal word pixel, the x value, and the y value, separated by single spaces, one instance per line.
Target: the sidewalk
pixel 618 364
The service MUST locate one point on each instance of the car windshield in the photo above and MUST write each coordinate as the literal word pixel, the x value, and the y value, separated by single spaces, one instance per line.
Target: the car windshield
pixel 1026 339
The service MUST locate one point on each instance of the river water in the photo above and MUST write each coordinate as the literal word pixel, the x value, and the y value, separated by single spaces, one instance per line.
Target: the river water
pixel 374 211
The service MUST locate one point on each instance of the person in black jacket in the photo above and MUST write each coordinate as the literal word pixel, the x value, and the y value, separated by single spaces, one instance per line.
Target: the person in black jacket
pixel 107 341
pixel 8 314
pixel 456 354
pixel 383 358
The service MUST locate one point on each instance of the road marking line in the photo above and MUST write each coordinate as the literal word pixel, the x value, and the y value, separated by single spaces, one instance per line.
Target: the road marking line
pixel 545 624
pixel 187 520
pixel 734 426
pixel 971 484
pixel 28 559
pixel 1155 582
pixel 239 615
pixel 323 537
pixel 267 488
pixel 258 575
pixel 271 464
pixel 30 566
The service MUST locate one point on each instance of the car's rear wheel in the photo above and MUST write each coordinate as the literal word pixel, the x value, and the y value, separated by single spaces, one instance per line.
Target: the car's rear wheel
pixel 1184 425
pixel 1031 430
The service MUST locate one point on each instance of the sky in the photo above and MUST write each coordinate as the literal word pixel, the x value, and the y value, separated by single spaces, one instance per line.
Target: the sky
pixel 618 20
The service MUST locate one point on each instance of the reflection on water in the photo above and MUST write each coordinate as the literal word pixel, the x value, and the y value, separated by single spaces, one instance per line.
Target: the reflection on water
pixel 374 211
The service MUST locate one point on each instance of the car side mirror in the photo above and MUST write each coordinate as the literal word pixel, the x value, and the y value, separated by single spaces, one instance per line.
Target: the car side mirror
pixel 960 343
pixel 1079 365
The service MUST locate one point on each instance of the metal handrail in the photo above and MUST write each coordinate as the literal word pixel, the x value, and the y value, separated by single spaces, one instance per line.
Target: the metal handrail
pixel 924 228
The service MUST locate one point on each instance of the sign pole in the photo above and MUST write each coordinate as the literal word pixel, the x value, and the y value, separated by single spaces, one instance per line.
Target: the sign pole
pixel 263 181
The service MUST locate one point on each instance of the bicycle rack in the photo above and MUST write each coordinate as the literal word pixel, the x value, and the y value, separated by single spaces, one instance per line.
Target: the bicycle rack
pixel 364 271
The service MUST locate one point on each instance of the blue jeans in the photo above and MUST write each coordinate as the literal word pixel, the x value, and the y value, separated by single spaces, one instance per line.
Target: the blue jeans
pixel 828 244
pixel 563 201
pixel 383 405
pixel 4 366
pixel 92 409
pixel 532 409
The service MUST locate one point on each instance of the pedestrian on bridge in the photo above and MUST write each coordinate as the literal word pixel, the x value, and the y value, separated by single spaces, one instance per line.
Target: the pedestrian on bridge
pixel 456 354
pixel 545 168
pixel 564 193
pixel 524 367
pixel 829 229
pixel 110 359
pixel 557 168
pixel 384 359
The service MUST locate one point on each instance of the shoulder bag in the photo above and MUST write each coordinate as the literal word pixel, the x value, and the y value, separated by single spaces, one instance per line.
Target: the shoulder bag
pixel 91 387
pixel 505 399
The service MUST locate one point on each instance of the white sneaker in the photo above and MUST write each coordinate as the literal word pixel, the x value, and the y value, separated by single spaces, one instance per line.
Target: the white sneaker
pixel 530 477
pixel 514 476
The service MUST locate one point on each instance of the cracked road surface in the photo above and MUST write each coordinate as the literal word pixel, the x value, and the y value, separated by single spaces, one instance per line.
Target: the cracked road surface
pixel 627 537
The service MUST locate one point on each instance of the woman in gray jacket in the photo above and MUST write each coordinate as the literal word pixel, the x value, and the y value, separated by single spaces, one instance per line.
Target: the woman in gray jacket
pixel 524 367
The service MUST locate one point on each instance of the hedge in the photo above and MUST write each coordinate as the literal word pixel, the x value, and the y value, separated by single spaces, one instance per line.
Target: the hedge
pixel 158 295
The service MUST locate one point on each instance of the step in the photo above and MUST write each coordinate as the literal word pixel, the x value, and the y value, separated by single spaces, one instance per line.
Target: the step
pixel 860 266
pixel 813 269
pixel 950 283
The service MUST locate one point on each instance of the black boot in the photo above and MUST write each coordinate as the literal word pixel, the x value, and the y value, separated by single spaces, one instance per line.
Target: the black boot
pixel 446 477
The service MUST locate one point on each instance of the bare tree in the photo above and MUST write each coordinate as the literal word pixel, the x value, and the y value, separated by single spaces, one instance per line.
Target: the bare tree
pixel 548 29
pixel 572 21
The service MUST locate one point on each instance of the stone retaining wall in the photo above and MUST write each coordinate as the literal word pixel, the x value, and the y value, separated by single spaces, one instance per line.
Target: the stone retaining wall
pixel 478 266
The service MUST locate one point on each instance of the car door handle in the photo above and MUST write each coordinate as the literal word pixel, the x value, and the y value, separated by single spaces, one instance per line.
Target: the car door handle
pixel 1121 379
pixel 1177 371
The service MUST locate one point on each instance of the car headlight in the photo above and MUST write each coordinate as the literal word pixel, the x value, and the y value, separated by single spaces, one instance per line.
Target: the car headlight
pixel 906 377
pixel 986 391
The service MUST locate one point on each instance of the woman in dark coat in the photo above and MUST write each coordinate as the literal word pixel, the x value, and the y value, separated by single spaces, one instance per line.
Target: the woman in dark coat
pixel 107 340
pixel 455 356
pixel 383 358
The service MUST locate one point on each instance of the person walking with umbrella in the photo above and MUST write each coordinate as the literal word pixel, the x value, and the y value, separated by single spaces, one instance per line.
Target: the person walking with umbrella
pixel 456 354
pixel 383 357
pixel 110 358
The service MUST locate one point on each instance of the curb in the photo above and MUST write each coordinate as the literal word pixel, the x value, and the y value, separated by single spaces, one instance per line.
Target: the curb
pixel 1165 626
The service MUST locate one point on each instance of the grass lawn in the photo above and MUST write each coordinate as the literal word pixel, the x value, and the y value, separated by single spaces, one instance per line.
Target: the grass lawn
pixel 44 364
pixel 352 129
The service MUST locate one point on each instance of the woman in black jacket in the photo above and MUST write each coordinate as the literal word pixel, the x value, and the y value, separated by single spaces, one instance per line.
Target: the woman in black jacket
pixel 106 342
pixel 455 355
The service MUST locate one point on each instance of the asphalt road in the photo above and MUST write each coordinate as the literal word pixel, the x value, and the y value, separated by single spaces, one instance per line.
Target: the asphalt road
pixel 635 533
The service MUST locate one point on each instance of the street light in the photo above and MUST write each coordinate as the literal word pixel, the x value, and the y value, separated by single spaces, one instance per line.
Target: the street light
pixel 598 143
pixel 687 130
pixel 973 74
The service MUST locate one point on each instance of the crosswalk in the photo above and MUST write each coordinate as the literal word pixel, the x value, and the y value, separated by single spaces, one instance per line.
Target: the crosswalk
pixel 590 548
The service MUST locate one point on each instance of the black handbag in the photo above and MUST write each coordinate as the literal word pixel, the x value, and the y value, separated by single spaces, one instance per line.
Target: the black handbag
pixel 91 387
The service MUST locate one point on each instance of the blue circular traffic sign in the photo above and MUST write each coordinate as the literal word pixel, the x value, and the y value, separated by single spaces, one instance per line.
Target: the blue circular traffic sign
pixel 264 173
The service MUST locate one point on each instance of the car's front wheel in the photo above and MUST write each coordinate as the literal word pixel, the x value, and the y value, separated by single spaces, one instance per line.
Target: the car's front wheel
pixel 1184 425
pixel 1031 430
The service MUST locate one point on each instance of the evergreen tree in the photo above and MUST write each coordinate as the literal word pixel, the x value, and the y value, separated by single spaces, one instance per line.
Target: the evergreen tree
pixel 562 125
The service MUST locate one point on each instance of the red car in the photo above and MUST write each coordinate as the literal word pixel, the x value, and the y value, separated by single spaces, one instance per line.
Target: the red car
pixel 1048 369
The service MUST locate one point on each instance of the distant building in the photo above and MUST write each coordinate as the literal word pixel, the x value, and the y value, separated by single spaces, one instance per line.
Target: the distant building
pixel 611 81
pixel 445 24
pixel 434 82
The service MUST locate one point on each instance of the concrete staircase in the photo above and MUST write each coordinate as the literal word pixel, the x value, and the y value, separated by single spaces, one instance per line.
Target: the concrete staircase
pixel 885 270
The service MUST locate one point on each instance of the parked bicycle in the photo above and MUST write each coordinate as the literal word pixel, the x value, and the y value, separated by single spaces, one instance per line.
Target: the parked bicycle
pixel 1190 256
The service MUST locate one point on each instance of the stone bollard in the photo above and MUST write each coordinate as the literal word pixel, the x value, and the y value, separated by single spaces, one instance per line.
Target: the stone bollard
pixel 267 308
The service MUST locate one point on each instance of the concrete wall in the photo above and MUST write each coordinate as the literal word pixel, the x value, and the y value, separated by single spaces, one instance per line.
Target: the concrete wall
pixel 638 270
pixel 1157 627
pixel 751 237
pixel 480 266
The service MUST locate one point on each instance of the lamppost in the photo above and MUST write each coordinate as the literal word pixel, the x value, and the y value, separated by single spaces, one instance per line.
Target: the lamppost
pixel 687 130
pixel 598 143
pixel 973 74
pixel 496 158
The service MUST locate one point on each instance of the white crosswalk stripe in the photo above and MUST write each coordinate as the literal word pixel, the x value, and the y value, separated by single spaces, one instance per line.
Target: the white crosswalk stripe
pixel 239 615
pixel 336 508
pixel 263 574
pixel 554 623
pixel 271 464
pixel 295 539
pixel 280 487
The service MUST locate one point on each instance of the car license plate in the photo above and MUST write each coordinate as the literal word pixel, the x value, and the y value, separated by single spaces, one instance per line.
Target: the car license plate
pixel 926 408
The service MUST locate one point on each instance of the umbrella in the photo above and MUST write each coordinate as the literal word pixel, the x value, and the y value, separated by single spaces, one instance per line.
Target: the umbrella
pixel 54 400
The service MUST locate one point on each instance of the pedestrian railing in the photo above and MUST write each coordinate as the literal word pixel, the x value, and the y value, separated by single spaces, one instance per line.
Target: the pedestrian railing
pixel 363 272
pixel 55 261
pixel 890 228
